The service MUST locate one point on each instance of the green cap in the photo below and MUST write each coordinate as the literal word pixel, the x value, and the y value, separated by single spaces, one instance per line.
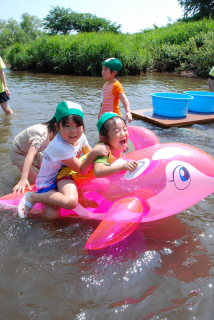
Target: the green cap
pixel 104 118
pixel 113 64
pixel 67 108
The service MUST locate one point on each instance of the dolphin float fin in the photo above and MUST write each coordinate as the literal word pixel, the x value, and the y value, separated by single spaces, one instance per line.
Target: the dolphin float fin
pixel 142 137
pixel 13 199
pixel 10 200
pixel 121 220
pixel 103 204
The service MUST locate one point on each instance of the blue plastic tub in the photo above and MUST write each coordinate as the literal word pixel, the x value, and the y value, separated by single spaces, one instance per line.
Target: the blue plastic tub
pixel 173 105
pixel 203 101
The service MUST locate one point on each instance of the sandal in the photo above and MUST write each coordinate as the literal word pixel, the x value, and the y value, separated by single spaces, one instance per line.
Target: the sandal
pixel 22 212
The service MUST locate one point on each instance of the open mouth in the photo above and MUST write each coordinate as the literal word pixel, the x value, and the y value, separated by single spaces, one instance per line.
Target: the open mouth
pixel 123 142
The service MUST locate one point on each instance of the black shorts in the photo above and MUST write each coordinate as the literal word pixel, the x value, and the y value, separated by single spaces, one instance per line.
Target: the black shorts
pixel 4 97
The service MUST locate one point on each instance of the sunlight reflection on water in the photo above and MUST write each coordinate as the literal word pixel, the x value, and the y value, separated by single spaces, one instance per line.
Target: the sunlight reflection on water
pixel 164 270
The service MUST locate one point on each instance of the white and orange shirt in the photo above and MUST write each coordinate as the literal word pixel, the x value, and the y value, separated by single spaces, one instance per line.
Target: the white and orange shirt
pixel 52 162
pixel 110 97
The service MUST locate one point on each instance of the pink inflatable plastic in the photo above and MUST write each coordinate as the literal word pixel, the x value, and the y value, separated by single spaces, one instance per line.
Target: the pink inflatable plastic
pixel 170 178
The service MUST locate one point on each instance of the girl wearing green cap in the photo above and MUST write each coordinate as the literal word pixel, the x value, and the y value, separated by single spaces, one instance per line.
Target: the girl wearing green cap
pixel 63 151
pixel 114 133
pixel 112 91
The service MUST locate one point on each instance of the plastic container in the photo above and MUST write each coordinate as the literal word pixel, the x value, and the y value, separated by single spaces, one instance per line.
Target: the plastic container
pixel 203 101
pixel 173 105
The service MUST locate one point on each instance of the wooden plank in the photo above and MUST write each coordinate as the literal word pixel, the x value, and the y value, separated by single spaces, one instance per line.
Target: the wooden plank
pixel 191 118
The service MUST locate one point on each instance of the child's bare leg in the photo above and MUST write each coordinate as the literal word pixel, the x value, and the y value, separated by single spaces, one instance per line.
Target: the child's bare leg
pixel 67 188
pixel 51 212
pixel 6 108
pixel 47 212
pixel 66 198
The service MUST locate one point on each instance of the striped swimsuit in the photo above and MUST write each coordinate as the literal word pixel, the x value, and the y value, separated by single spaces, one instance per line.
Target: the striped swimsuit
pixel 110 97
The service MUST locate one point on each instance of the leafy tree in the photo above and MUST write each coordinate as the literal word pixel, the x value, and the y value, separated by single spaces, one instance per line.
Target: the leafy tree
pixel 30 24
pixel 12 32
pixel 197 9
pixel 61 20
pixel 87 22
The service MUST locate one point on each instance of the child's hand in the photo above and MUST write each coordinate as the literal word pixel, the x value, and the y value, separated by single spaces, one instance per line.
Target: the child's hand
pixel 6 91
pixel 128 116
pixel 99 114
pixel 130 165
pixel 21 185
pixel 101 150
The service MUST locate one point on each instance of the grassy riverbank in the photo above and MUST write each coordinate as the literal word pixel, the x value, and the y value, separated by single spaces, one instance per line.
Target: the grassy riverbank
pixel 178 47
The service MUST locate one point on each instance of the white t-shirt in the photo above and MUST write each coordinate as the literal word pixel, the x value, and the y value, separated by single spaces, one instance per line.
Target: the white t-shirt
pixel 57 150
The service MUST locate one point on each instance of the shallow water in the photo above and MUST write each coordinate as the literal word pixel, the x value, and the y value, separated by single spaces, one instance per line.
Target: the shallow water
pixel 164 270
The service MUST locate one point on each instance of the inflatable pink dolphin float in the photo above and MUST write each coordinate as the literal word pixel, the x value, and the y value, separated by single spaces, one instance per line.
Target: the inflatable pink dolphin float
pixel 170 178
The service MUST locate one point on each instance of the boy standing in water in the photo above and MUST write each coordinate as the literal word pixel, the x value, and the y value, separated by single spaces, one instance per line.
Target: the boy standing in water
pixel 4 92
pixel 112 91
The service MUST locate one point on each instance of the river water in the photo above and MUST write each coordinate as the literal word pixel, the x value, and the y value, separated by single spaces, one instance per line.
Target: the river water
pixel 164 270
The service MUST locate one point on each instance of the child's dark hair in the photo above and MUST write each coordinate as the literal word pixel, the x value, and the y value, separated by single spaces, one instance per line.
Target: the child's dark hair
pixel 105 127
pixel 76 119
pixel 51 125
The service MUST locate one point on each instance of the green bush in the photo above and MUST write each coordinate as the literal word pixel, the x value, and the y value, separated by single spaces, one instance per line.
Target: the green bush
pixel 181 46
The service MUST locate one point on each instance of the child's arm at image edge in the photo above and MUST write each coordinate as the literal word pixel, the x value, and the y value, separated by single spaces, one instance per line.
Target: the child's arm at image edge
pixel 23 182
pixel 3 78
pixel 126 105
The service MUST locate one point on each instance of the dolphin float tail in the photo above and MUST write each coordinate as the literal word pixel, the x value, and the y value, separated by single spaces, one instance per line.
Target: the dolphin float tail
pixel 121 220
pixel 142 137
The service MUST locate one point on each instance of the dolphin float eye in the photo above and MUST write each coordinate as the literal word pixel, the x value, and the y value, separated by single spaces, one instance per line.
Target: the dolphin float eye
pixel 181 177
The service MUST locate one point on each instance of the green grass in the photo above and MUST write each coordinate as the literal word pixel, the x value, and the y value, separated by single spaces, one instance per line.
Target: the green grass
pixel 177 47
